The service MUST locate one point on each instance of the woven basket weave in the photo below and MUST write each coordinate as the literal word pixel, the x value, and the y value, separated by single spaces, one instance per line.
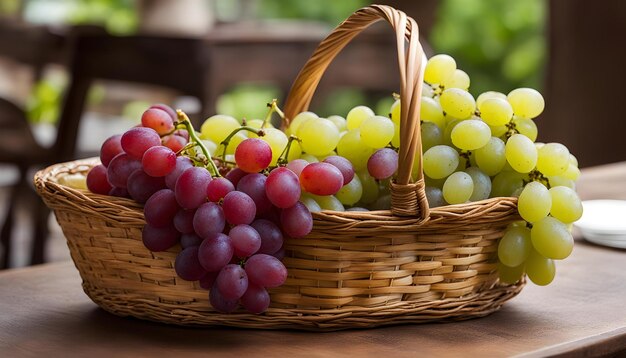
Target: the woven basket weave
pixel 355 269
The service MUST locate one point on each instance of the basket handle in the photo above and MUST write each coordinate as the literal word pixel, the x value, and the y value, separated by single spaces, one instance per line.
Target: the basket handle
pixel 407 198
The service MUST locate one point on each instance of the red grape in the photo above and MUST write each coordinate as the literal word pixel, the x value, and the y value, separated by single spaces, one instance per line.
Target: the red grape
pixel 183 220
pixel 266 271
pixel 297 165
pixel 208 219
pixel 111 147
pixel 97 181
pixel 219 302
pixel 137 140
pixel 253 155
pixel 254 186
pixel 187 265
pixel 383 163
pixel 321 179
pixel 271 236
pixel 189 240
pixel 158 161
pixel 119 192
pixel 167 109
pixel 246 240
pixel 161 208
pixel 297 220
pixel 344 166
pixel 215 252
pixel 208 280
pixel 120 168
pixel 174 142
pixel 235 175
pixel 239 208
pixel 282 187
pixel 191 187
pixel 232 282
pixel 256 299
pixel 141 186
pixel 182 164
pixel 157 119
pixel 159 239
pixel 218 188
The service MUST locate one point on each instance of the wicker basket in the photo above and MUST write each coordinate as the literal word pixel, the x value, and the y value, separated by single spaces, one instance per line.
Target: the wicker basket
pixel 355 269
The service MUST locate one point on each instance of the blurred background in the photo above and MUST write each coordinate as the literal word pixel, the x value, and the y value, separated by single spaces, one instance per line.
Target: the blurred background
pixel 74 72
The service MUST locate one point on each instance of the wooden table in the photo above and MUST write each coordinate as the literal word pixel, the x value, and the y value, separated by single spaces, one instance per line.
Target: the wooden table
pixel 43 311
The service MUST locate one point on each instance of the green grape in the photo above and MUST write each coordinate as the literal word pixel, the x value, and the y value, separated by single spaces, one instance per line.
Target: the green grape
pixel 322 157
pixel 540 270
pixel 218 127
pixel 440 161
pixel 498 131
pixel 394 112
pixel 447 132
pixel 526 102
pixel 427 90
pixel 319 136
pixel 552 159
pixel 526 127
pixel 350 193
pixel 538 145
pixel 561 181
pixel 357 115
pixel 295 151
pixel 534 202
pixel 298 120
pixel 257 123
pixel 434 196
pixel 339 122
pixel 351 147
pixel 277 140
pixel 491 157
pixel 309 158
pixel 489 94
pixel 310 203
pixel 459 79
pixel 495 111
pixel 430 111
pixel 439 68
pixel 210 146
pixel 234 142
pixel 482 184
pixel 566 205
pixel 521 153
pixel 551 238
pixel 328 202
pixel 573 160
pixel 370 187
pixel 572 172
pixel 470 134
pixel 506 183
pixel 515 246
pixel 431 135
pixel 435 183
pixel 457 103
pixel 377 131
pixel 458 188
pixel 510 275
pixel 382 203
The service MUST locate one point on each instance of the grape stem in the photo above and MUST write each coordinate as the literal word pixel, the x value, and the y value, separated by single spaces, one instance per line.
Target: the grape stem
pixel 536 175
pixel 210 165
pixel 273 107
pixel 283 157
pixel 225 142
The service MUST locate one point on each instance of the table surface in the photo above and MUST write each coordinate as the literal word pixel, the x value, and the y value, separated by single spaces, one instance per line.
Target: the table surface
pixel 43 310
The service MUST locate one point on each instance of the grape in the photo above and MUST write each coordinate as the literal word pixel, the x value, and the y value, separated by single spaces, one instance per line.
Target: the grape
pixel 220 303
pixel 183 220
pixel 440 161
pixel 187 264
pixel 526 102
pixel 189 240
pixel 297 165
pixel 254 186
pixel 328 202
pixel 339 122
pixel 233 143
pixel 370 188
pixel 208 219
pixel 457 103
pixel 551 238
pixel 270 234
pixel 256 299
pixel 239 208
pixel 311 204
pixel 110 148
pixel 459 79
pixel 97 181
pixel 431 135
pixel 232 282
pixel 258 123
pixel 540 270
pixel 300 119
pixel 434 196
pixel 157 119
pixel 515 246
pixel 265 271
pixel 552 159
pixel 282 187
pixel 139 139
pixel 182 164
pixel 350 193
pixel 167 109
pixel 215 252
pixel 357 115
pixel 119 192
pixel 175 142
pixel 526 127
pixel 344 166
pixel 376 131
pixel 159 239
pixel 482 184
pixel 120 168
pixel 521 153
pixel 506 183
pixel 191 187
pixel 487 95
pixel 470 134
pixel 430 111
pixel 534 202
pixel 499 131
pixel 141 186
pixel 158 161
pixel 218 127
pixel 321 179
pixel 491 157
pixel 383 163
pixel 246 240
pixel 235 175
pixel 566 205
pixel 253 155
pixel 218 188
pixel 572 173
pixel 458 188
pixel 510 275
pixel 208 280
pixel 278 141
pixel 439 68
pixel 495 111
pixel 319 136
pixel 447 132
pixel 309 158
pixel 296 221
pixel 351 147
pixel 161 208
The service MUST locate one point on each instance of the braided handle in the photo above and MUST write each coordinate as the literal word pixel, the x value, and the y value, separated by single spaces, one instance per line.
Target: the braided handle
pixel 407 199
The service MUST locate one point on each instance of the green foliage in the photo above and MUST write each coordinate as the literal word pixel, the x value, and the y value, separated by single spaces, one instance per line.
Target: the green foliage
pixel 329 11
pixel 499 43
pixel 117 16
pixel 247 101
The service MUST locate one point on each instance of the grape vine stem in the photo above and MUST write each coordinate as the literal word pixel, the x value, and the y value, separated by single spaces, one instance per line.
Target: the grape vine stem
pixel 184 120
